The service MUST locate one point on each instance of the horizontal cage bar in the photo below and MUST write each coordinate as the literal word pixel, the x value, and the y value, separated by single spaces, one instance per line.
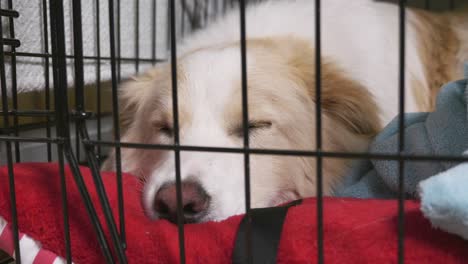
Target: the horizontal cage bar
pixel 9 13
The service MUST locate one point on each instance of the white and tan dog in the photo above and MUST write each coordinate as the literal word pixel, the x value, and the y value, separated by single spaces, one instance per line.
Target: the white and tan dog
pixel 360 94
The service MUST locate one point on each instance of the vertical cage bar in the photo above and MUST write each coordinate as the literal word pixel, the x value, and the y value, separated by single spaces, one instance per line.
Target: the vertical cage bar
pixel 115 115
pixel 245 127
pixel 14 90
pixel 98 78
pixel 119 43
pixel 61 114
pixel 137 35
pixel 63 185
pixel 11 176
pixel 83 133
pixel 79 78
pixel 78 61
pixel 318 134
pixel 401 138
pixel 77 142
pixel 175 107
pixel 153 32
pixel 47 76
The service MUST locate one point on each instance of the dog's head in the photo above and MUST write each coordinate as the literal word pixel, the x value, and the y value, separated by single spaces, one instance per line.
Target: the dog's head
pixel 281 110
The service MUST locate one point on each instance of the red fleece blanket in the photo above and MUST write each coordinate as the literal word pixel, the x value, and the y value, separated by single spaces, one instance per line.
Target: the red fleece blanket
pixel 356 231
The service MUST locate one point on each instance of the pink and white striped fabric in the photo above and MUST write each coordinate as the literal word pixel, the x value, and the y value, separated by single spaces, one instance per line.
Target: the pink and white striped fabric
pixel 31 250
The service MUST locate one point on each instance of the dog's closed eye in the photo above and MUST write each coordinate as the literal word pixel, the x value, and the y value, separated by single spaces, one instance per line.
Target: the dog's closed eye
pixel 164 128
pixel 253 126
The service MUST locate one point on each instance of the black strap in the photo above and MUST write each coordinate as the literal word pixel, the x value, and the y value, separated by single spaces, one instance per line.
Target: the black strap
pixel 266 227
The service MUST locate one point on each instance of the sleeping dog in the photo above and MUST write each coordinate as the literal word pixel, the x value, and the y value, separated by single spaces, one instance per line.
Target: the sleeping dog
pixel 360 48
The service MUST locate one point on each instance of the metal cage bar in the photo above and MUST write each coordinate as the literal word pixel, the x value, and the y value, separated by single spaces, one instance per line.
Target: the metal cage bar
pixel 68 252
pixel 62 116
pixel 98 78
pixel 286 152
pixel 401 137
pixel 175 114
pixel 119 42
pixel 14 87
pixel 103 58
pixel 245 129
pixel 46 75
pixel 115 109
pixel 318 131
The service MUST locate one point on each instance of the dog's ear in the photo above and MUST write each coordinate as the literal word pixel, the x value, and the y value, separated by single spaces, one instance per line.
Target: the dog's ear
pixel 134 92
pixel 349 102
pixel 131 95
pixel 342 98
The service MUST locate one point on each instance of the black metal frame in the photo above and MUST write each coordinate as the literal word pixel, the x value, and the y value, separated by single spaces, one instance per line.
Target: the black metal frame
pixel 61 117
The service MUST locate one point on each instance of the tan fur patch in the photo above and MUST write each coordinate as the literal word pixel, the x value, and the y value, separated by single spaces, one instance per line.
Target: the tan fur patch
pixel 342 98
pixel 438 47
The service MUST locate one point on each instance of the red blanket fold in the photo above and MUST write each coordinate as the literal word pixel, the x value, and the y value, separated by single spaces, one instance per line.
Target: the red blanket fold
pixel 356 231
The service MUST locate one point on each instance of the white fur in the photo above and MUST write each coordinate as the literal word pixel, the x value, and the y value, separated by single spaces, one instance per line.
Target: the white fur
pixel 209 92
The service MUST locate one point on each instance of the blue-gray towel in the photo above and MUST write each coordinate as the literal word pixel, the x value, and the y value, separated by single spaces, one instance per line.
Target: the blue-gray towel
pixel 443 132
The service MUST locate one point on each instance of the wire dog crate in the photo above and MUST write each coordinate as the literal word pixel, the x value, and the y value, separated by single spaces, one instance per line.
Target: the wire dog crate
pixel 67 137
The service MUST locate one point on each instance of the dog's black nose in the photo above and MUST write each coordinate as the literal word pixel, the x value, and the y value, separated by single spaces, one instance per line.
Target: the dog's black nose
pixel 195 202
